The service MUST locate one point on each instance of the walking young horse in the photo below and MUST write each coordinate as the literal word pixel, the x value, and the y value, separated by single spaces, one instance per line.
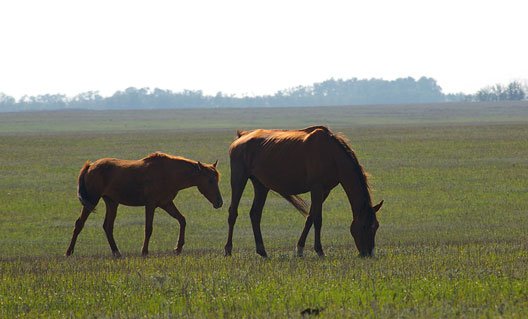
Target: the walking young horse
pixel 292 162
pixel 153 181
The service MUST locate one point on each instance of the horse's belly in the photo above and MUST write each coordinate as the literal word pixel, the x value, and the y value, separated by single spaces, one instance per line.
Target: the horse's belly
pixel 127 199
pixel 295 179
pixel 283 182
pixel 129 194
pixel 286 188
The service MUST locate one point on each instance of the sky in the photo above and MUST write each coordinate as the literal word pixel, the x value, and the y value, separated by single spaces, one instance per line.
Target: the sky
pixel 256 47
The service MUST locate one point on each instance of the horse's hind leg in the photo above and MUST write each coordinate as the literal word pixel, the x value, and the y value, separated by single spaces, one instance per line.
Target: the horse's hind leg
pixel 304 234
pixel 174 212
pixel 79 224
pixel 149 218
pixel 261 193
pixel 108 225
pixel 238 183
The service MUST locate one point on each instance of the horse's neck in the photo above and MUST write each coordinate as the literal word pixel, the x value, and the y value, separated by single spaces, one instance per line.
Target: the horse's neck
pixel 183 174
pixel 354 185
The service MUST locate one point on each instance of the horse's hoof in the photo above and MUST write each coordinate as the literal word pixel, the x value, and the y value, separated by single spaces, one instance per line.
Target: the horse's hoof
pixel 299 252
pixel 177 251
pixel 116 254
pixel 227 251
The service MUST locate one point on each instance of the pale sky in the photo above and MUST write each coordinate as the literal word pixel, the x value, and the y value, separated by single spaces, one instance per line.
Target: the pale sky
pixel 256 47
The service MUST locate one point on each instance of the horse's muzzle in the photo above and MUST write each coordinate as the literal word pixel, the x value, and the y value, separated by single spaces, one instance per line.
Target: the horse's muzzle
pixel 367 253
pixel 218 204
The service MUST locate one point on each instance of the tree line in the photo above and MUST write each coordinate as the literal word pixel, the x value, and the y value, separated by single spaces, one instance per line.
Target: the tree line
pixel 514 91
pixel 327 93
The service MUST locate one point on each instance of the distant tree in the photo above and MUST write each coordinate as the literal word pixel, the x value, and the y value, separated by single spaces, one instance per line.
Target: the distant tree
pixel 367 91
pixel 459 97
pixel 131 97
pixel 7 103
pixel 43 102
pixel 161 98
pixel 484 95
pixel 499 92
pixel 89 99
pixel 514 91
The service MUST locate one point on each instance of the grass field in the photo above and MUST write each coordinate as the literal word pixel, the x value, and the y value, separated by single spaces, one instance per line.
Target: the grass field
pixel 453 240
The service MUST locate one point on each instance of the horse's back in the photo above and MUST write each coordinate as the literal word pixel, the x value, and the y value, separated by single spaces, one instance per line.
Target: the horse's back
pixel 108 167
pixel 287 161
pixel 252 145
pixel 283 141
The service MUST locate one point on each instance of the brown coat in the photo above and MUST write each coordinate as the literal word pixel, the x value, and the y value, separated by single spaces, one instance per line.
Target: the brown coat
pixel 292 162
pixel 153 181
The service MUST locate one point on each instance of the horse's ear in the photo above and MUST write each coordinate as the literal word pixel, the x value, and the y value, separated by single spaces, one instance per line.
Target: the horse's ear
pixel 215 163
pixel 377 207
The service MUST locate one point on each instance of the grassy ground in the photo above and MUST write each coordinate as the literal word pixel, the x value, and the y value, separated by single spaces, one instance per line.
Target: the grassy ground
pixel 453 239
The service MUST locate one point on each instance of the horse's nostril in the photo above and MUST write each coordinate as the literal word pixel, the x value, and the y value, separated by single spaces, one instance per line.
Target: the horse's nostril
pixel 218 204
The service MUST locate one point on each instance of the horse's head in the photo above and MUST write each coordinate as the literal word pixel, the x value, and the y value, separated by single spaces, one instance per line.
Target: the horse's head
pixel 364 230
pixel 207 183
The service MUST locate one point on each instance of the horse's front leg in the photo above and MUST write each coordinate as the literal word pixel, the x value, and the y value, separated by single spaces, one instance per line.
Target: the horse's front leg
pixel 238 183
pixel 308 224
pixel 171 209
pixel 316 212
pixel 261 193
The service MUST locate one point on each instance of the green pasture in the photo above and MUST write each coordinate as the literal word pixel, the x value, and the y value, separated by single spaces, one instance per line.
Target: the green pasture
pixel 453 237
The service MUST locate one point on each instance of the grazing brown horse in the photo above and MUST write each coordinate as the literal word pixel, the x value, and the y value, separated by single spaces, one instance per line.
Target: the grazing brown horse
pixel 292 162
pixel 152 182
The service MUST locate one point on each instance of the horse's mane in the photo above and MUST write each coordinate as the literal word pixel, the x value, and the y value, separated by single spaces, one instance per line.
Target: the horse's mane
pixel 160 155
pixel 309 129
pixel 342 141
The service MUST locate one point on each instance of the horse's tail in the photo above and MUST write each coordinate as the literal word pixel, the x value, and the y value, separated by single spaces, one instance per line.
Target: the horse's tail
pixel 82 192
pixel 298 203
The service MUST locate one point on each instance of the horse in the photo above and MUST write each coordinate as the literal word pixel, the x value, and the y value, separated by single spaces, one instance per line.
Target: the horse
pixel 153 181
pixel 292 162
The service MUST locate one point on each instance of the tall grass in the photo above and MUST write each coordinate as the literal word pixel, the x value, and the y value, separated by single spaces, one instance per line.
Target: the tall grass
pixel 452 241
